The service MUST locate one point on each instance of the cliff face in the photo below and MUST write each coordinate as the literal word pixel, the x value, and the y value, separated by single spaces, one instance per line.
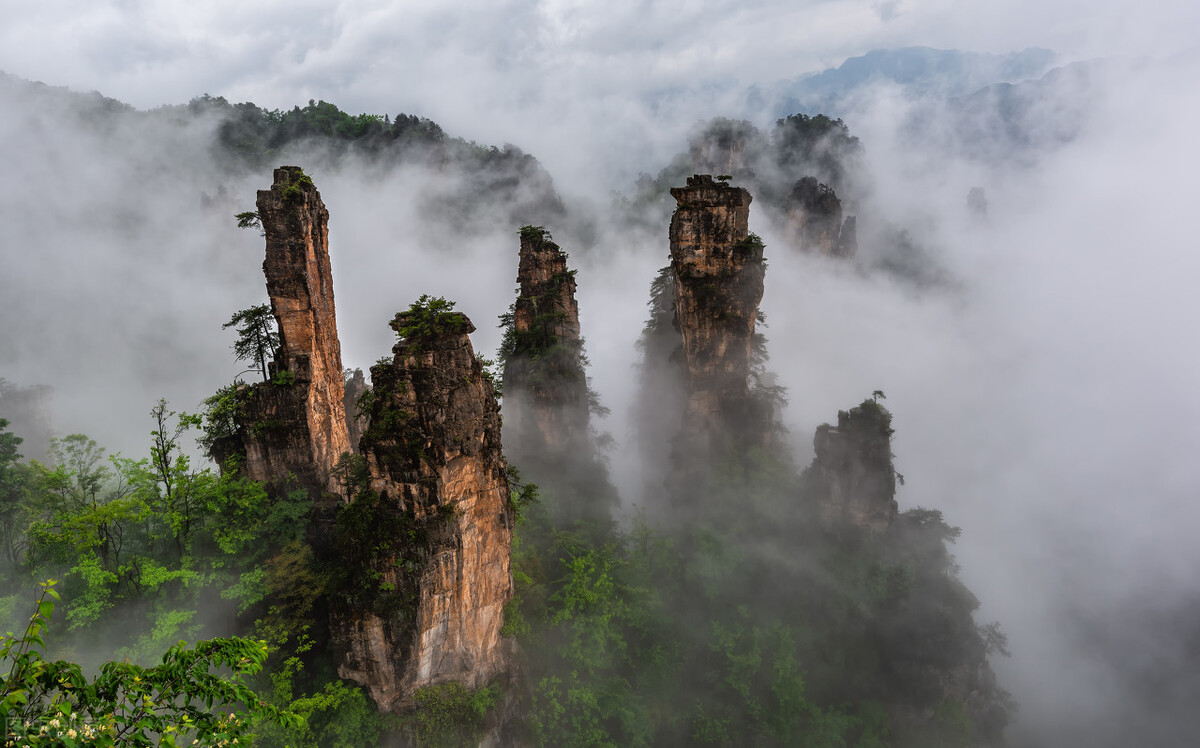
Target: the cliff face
pixel 814 220
pixel 852 474
pixel 718 272
pixel 545 386
pixel 437 477
pixel 296 425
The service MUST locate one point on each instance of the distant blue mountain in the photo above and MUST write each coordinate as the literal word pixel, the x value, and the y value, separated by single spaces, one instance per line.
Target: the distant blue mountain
pixel 920 70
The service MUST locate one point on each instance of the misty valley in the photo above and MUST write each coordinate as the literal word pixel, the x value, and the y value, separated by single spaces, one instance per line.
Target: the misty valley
pixel 432 509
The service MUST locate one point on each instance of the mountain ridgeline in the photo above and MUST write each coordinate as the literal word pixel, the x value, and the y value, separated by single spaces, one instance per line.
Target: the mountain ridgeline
pixel 765 606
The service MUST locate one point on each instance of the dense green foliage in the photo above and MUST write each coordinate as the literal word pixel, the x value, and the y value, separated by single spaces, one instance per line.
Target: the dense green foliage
pixel 152 551
pixel 429 318
pixel 744 625
pixel 746 628
pixel 46 702
pixel 254 135
pixel 818 143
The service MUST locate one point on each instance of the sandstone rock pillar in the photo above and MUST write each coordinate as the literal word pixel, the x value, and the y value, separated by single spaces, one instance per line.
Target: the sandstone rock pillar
pixel 295 425
pixel 718 269
pixel 437 473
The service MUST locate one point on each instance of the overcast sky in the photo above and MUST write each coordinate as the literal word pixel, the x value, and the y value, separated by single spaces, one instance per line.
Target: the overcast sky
pixel 537 74
pixel 1051 408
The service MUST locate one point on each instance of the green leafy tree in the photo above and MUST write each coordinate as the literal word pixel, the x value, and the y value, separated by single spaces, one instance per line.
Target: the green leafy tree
pixel 181 701
pixel 257 336
pixel 430 317
pixel 15 478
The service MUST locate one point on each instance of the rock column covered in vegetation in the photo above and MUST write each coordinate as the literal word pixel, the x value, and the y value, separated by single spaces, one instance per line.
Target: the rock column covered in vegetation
pixel 547 404
pixel 545 387
pixel 718 272
pixel 852 474
pixel 814 218
pixel 427 544
pixel 295 425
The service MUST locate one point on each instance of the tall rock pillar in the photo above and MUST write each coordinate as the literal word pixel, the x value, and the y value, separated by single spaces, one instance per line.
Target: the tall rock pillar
pixel 433 534
pixel 545 386
pixel 718 271
pixel 547 429
pixel 295 425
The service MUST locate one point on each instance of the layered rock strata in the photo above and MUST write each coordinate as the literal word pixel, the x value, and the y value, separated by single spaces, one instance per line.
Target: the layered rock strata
pixel 852 474
pixel 437 474
pixel 294 427
pixel 718 282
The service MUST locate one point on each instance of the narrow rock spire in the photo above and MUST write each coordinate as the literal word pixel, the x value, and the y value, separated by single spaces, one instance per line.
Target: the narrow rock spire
pixel 547 404
pixel 545 386
pixel 718 271
pixel 295 425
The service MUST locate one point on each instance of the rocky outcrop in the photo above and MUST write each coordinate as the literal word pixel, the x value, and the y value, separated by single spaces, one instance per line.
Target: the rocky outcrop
pixel 545 386
pixel 294 427
pixel 356 421
pixel 852 476
pixel 718 282
pixel 814 220
pixel 433 532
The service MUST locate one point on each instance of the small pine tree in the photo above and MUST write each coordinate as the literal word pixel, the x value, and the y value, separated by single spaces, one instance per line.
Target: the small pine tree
pixel 257 336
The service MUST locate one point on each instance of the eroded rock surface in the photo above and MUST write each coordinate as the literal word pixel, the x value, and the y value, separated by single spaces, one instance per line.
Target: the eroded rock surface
pixel 295 425
pixel 438 477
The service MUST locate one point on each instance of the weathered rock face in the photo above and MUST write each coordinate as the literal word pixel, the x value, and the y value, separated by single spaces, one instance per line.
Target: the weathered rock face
pixel 814 220
pixel 356 422
pixel 434 458
pixel 545 386
pixel 718 269
pixel 296 425
pixel 852 475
